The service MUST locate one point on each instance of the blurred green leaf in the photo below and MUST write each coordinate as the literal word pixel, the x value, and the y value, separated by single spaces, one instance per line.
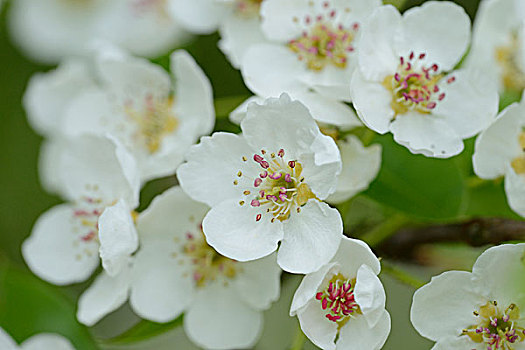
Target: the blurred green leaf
pixel 144 330
pixel 488 199
pixel 29 306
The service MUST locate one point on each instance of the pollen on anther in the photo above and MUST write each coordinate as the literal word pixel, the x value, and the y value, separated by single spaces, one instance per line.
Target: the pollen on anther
pixel 239 174
pixel 246 193
pixel 241 203
pixel 258 217
pixel 244 159
pixel 235 182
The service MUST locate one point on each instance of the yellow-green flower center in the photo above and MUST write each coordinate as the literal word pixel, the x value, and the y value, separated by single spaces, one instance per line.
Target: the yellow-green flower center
pixel 507 56
pixel 519 163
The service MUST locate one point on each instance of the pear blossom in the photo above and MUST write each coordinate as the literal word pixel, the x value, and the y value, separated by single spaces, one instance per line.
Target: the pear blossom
pixel 342 305
pixel 406 84
pixel 50 30
pixel 42 341
pixel 100 181
pixel 268 185
pixel 133 100
pixel 500 151
pixel 482 310
pixel 497 43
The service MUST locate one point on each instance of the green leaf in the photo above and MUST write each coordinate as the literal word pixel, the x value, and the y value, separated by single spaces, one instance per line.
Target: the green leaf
pixel 144 330
pixel 422 187
pixel 29 306
pixel 488 199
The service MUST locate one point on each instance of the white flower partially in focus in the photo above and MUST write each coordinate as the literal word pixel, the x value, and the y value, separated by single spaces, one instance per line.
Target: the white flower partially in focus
pixel 51 30
pixel 500 151
pixel 404 84
pixel 42 341
pixel 342 305
pixel 482 310
pixel 100 181
pixel 497 43
pixel 268 185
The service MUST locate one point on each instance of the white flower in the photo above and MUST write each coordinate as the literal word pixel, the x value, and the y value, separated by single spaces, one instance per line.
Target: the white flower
pixel 402 84
pixel 500 151
pixel 100 181
pixel 268 185
pixel 482 310
pixel 50 30
pixel 342 305
pixel 176 272
pixel 133 101
pixel 497 46
pixel 43 341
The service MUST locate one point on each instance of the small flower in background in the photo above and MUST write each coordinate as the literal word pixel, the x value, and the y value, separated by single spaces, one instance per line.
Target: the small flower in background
pixel 43 341
pixel 99 180
pixel 268 185
pixel 133 100
pixel 497 46
pixel 51 30
pixel 500 151
pixel 342 305
pixel 482 310
pixel 404 83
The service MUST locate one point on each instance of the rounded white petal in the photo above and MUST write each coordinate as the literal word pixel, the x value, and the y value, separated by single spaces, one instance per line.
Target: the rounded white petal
pixel 457 343
pixel 118 237
pixel 352 254
pixel 377 58
pixel 198 16
pixel 358 335
pixel 55 253
pixel 322 177
pixel 104 296
pixel 451 296
pixel 497 146
pixel 217 319
pixel 360 167
pixel 426 134
pixel 46 341
pixel 6 342
pixel 269 70
pixel 311 238
pixel 212 166
pixel 314 324
pixel 515 190
pixel 333 82
pixel 439 29
pixel 372 102
pixel 233 231
pixel 259 283
pixel 239 113
pixel 278 18
pixel 370 295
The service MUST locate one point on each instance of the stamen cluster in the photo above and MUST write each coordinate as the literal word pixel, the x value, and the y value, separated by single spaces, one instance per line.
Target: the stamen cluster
pixel 86 213
pixel 519 163
pixel 339 300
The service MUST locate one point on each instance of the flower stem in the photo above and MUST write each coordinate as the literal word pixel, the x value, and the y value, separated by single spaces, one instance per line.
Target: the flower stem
pixel 401 275
pixel 385 230
pixel 298 342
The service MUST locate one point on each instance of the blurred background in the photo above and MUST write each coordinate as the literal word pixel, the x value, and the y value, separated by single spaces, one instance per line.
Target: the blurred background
pixel 29 306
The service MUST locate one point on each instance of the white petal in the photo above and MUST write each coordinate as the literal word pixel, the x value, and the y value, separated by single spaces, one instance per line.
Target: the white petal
pixel 118 237
pixel 6 342
pixel 352 254
pixel 46 341
pixel 104 296
pixel 259 282
pixel 212 166
pixel 450 296
pixel 218 320
pixel 278 18
pixel 48 94
pixel 333 82
pixel 370 295
pixel 372 103
pixel 233 231
pixel 239 113
pixel 193 93
pixel 311 238
pixel 316 326
pixel 439 29
pixel 322 178
pixel 457 343
pixel 357 335
pixel 426 134
pixel 360 167
pixel 199 16
pixel 497 146
pixel 160 291
pixel 376 56
pixel 269 70
pixel 470 103
pixel 55 253
pixel 515 190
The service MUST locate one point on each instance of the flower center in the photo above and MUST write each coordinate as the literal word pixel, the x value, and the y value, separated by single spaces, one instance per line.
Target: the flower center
pixel 247 8
pixel 207 264
pixel 85 214
pixel 513 77
pixel 497 328
pixel 338 300
pixel 519 163
pixel 324 42
pixel 154 121
pixel 414 86
pixel 279 188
